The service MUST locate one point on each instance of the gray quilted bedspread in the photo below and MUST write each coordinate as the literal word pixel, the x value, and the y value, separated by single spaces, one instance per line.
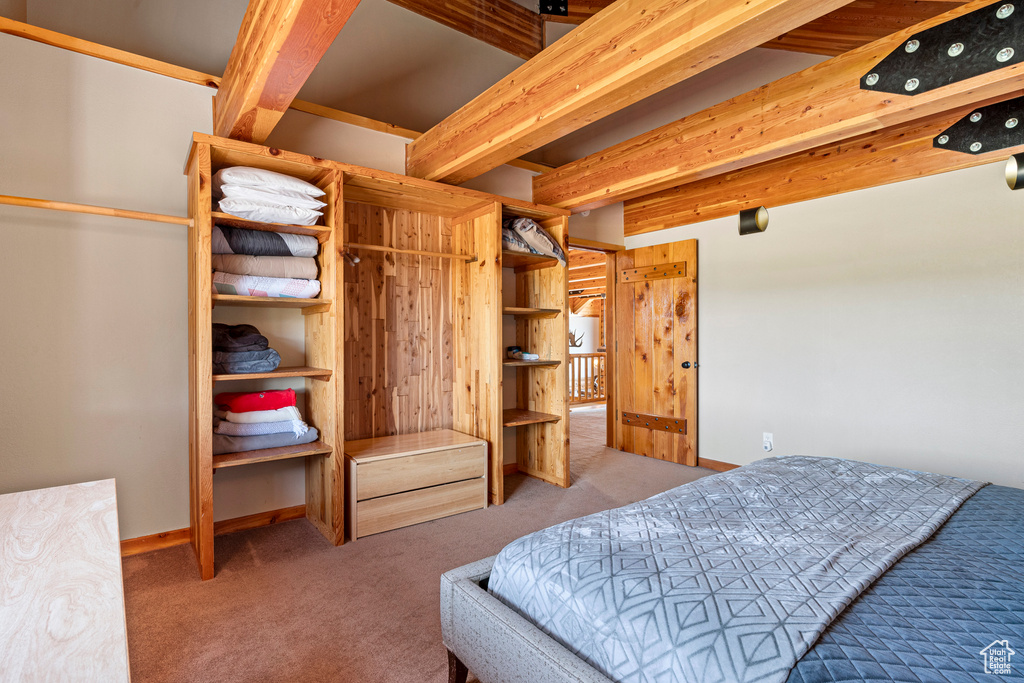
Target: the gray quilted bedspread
pixel 729 578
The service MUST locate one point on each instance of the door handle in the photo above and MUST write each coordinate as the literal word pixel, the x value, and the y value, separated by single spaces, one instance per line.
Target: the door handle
pixel 686 363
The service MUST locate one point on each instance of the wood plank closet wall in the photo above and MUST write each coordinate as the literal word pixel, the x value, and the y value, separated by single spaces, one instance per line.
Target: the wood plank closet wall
pixel 405 340
pixel 398 324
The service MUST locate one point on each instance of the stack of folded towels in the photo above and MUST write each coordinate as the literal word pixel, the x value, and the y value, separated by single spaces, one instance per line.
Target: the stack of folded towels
pixel 240 349
pixel 256 420
pixel 258 263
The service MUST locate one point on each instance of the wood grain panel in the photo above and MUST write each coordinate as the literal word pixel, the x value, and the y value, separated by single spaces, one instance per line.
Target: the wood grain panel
pixel 278 45
pixel 476 336
pixel 655 334
pixel 200 359
pixel 503 24
pixel 395 325
pixel 817 106
pixel 887 156
pixel 413 507
pixel 394 475
pixel 61 602
pixel 590 74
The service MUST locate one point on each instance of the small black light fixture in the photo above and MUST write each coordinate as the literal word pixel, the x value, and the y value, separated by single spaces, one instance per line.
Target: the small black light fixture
pixel 1015 171
pixel 753 221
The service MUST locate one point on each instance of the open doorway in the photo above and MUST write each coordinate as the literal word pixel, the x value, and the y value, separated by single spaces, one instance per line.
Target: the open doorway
pixel 591 310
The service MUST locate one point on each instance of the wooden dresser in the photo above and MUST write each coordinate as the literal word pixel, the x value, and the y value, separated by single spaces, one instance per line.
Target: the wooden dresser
pixel 61 596
pixel 396 481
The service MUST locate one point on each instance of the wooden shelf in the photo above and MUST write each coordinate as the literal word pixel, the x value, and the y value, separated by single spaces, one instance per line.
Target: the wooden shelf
pixel 531 363
pixel 268 454
pixel 523 262
pixel 298 371
pixel 514 417
pixel 521 312
pixel 311 305
pixel 321 232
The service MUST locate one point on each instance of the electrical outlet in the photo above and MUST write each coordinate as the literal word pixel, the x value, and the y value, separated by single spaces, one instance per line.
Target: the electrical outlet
pixel 769 442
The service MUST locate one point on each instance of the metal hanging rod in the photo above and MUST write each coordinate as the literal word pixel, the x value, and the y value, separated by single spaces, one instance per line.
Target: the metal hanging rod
pixel 95 210
pixel 373 247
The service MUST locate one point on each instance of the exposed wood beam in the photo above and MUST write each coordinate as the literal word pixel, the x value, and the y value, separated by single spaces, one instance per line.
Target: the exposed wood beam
pixel 279 44
pixel 579 11
pixel 503 24
pixel 583 259
pixel 818 106
pixel 858 24
pixel 629 50
pixel 887 156
pixel 578 291
pixel 586 273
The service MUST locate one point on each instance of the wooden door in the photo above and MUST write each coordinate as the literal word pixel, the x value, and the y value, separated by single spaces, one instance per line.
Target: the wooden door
pixel 656 351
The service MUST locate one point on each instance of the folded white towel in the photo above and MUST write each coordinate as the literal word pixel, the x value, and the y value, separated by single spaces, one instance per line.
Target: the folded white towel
pixel 296 427
pixel 279 415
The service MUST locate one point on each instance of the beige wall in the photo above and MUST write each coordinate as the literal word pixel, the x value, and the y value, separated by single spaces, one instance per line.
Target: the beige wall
pixel 94 365
pixel 884 325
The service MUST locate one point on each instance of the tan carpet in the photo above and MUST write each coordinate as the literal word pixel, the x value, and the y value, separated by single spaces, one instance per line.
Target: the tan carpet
pixel 287 606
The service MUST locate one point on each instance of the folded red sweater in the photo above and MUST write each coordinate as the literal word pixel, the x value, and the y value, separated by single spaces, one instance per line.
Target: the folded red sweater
pixel 240 402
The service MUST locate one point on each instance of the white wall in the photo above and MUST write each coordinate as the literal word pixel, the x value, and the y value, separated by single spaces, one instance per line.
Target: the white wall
pixel 587 330
pixel 884 325
pixel 93 324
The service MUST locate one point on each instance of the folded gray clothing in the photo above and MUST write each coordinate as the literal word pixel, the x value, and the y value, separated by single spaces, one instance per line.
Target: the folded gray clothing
pixel 536 237
pixel 238 444
pixel 238 338
pixel 241 362
pixel 228 240
pixel 511 241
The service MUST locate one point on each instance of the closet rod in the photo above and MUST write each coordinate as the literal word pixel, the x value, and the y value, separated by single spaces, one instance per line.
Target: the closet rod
pixel 96 210
pixel 374 247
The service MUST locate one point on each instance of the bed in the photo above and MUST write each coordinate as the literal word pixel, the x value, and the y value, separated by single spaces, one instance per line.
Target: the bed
pixel 798 569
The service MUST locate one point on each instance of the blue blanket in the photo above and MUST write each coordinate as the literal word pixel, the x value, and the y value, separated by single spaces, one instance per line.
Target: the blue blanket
pixel 732 577
pixel 929 617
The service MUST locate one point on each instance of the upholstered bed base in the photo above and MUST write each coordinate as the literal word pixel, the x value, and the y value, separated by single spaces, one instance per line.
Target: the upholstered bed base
pixel 493 641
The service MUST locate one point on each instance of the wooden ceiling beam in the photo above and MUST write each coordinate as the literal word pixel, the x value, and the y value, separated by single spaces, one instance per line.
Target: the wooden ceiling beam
pixel 857 24
pixel 817 106
pixel 629 50
pixel 578 11
pixel 579 258
pixel 278 45
pixel 503 24
pixel 887 156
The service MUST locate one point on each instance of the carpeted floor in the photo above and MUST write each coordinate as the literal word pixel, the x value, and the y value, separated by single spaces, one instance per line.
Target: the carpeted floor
pixel 286 606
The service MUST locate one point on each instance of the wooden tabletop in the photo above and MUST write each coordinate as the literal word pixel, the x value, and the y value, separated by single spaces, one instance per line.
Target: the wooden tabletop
pixel 61 597
pixel 380 448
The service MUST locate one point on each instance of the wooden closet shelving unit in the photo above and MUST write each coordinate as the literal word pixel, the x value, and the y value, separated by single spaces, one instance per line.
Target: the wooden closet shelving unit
pixel 540 414
pixel 407 340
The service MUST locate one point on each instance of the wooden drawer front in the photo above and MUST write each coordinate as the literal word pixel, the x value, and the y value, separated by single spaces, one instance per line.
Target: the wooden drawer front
pixel 413 507
pixel 395 475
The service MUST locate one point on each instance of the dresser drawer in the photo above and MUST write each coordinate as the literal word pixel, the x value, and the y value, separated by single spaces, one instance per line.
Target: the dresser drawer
pixel 422 505
pixel 406 473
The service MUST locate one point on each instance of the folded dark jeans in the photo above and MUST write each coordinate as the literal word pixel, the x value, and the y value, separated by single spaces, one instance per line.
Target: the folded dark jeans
pixel 237 338
pixel 241 362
